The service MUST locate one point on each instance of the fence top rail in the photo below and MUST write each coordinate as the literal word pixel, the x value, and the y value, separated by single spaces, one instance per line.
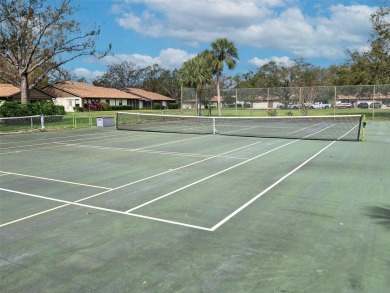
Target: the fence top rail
pixel 21 117
pixel 301 87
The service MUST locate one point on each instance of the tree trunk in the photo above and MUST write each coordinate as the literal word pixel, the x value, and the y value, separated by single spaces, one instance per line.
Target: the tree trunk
pixel 23 89
pixel 219 96
pixel 200 105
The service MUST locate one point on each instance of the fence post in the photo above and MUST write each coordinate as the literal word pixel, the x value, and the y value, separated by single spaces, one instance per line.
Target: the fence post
pixel 373 105
pixel 181 99
pixel 335 101
pixel 236 101
pixel 42 122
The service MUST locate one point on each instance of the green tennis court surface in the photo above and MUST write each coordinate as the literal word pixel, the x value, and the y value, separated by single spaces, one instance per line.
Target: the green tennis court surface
pixel 103 210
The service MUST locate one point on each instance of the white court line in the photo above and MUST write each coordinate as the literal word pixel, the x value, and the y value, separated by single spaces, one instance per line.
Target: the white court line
pixel 33 215
pixel 219 224
pixel 32 142
pixel 29 150
pixel 95 208
pixel 55 180
pixel 57 145
pixel 170 142
pixel 208 177
pixel 145 150
pixel 74 143
pixel 83 137
pixel 165 172
pixel 267 189
pixel 138 181
pixel 220 172
pixel 138 150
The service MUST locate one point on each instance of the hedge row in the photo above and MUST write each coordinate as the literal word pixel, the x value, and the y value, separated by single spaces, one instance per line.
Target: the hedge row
pixel 16 109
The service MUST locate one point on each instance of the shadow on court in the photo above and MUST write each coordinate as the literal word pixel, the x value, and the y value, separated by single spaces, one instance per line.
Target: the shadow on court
pixel 380 214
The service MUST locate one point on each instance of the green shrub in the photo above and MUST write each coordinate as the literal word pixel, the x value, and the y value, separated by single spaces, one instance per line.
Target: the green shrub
pixel 16 109
pixel 173 106
pixel 78 109
pixel 118 108
pixel 272 112
pixel 156 106
pixel 105 107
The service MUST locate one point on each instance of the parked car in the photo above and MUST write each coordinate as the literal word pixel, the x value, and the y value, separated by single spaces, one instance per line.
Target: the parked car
pixel 344 105
pixel 376 105
pixel 363 105
pixel 320 105
pixel 292 106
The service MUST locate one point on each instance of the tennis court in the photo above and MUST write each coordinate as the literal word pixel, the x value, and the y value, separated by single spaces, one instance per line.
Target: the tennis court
pixel 106 210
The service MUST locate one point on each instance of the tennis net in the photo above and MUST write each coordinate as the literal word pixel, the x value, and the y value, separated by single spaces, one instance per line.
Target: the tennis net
pixel 341 127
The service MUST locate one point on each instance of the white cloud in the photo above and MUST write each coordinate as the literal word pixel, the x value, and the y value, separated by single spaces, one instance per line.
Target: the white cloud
pixel 140 60
pixel 279 60
pixel 264 24
pixel 168 58
pixel 174 58
pixel 87 74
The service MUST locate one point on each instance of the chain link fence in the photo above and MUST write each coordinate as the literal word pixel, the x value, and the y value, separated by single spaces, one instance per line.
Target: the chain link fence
pixel 301 99
pixel 33 123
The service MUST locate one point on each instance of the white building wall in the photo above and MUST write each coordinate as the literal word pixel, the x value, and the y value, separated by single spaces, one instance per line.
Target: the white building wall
pixel 68 103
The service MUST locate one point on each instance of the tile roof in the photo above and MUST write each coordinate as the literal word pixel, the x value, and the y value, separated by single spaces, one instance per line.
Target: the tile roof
pixel 8 90
pixel 215 99
pixel 147 95
pixel 84 90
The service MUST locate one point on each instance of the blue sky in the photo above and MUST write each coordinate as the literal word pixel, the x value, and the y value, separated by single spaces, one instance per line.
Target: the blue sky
pixel 169 32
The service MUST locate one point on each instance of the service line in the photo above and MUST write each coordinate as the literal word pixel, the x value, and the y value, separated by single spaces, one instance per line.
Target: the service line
pixel 122 186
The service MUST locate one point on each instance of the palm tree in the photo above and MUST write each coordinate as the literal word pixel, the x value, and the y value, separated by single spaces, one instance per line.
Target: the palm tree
pixel 222 51
pixel 196 73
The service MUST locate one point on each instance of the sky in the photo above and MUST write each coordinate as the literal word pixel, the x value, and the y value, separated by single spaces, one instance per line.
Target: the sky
pixel 170 32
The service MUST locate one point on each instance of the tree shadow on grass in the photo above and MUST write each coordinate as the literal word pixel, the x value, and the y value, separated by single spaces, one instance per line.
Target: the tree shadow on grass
pixel 380 214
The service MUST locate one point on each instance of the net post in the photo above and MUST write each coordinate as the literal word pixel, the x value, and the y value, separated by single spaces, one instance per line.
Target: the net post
pixel 363 126
pixel 214 129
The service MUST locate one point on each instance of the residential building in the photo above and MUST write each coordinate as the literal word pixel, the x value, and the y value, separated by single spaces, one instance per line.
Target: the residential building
pixel 147 99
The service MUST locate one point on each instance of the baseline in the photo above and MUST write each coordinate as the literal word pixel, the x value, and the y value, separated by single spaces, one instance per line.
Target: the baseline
pixel 67 203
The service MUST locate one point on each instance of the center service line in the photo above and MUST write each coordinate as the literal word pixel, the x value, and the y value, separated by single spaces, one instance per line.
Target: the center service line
pixel 208 177
pixel 275 184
